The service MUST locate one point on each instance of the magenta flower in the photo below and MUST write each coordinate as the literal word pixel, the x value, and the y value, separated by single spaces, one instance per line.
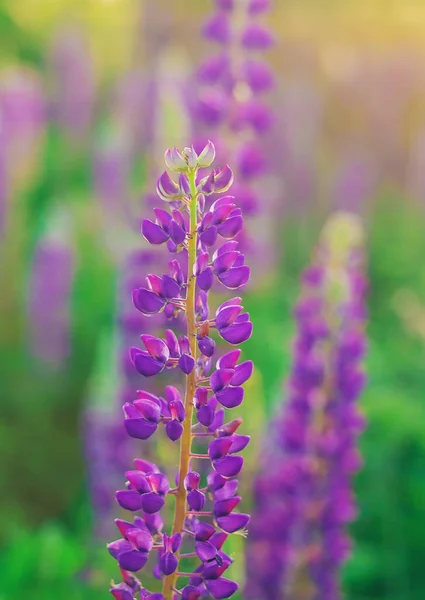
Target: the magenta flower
pixel 303 494
pixel 206 512
pixel 232 84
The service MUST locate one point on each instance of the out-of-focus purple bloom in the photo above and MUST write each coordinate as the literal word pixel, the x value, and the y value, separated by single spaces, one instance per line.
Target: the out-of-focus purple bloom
pixel 22 122
pixel 303 491
pixel 231 85
pixel 49 296
pixel 73 82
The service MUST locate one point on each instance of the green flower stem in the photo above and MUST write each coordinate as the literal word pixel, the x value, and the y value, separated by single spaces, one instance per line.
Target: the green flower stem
pixel 186 439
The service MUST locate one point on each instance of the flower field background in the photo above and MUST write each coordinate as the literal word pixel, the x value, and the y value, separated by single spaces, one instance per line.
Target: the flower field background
pixel 91 94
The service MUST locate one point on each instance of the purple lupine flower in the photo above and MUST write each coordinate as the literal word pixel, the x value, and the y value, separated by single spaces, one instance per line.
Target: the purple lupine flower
pixel 207 395
pixel 232 85
pixel 22 122
pixel 49 294
pixel 73 82
pixel 303 492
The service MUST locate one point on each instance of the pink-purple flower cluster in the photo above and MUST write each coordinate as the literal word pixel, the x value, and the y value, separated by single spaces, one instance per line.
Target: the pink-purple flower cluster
pixel 190 232
pixel 303 493
pixel 232 87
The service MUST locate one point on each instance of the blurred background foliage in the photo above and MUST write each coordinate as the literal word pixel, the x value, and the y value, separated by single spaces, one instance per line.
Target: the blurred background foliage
pixel 356 69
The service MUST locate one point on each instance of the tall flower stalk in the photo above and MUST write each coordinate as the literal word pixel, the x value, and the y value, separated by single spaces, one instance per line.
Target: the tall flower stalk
pixel 303 492
pixel 203 510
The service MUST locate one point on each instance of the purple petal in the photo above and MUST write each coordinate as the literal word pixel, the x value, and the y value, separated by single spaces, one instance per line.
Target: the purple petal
pixel 168 563
pixel 152 502
pixel 166 186
pixel 163 217
pixel 211 108
pixel 177 233
pixel 145 466
pixel 191 592
pixel 172 343
pixel 218 419
pixel 250 161
pixel 205 415
pixel 156 347
pixel 115 548
pixel 224 507
pixel 147 302
pixel 230 397
pixel 242 372
pixel 218 539
pixel 229 360
pixel 235 278
pixel 206 346
pixel 174 430
pixel 133 560
pixel 219 447
pixel 230 227
pixel 227 315
pixel 237 333
pixel 217 28
pixel 212 69
pixel 209 236
pixel 258 6
pixel 140 428
pixel 148 409
pixel 192 480
pixel 227 491
pixel 220 379
pixel 224 261
pixel 225 4
pixel 122 591
pixel 158 483
pixel 176 541
pixel 203 531
pixel 169 287
pixel 258 75
pixel 231 302
pixel 228 466
pixel 138 481
pixel 205 551
pixel 186 363
pixel 196 500
pixel 233 522
pixel 153 233
pixel 147 365
pixel 205 279
pixel 257 37
pixel 223 179
pixel 221 588
pixel 140 539
pixel 239 443
pixel 129 499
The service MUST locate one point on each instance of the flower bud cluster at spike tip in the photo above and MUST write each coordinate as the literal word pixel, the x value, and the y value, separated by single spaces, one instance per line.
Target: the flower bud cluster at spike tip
pixel 303 494
pixel 232 85
pixel 206 506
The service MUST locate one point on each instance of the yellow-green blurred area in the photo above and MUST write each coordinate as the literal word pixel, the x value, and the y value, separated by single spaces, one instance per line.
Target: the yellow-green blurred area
pixel 349 133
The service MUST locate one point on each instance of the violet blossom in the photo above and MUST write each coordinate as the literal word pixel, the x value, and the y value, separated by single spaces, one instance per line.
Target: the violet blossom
pixel 204 509
pixel 230 106
pixel 49 294
pixel 298 539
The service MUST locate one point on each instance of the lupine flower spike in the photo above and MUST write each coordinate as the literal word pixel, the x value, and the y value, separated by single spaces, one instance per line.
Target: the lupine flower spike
pixel 303 492
pixel 233 83
pixel 204 511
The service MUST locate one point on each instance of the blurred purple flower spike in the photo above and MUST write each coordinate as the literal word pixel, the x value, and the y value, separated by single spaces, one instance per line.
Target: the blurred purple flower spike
pixel 303 491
